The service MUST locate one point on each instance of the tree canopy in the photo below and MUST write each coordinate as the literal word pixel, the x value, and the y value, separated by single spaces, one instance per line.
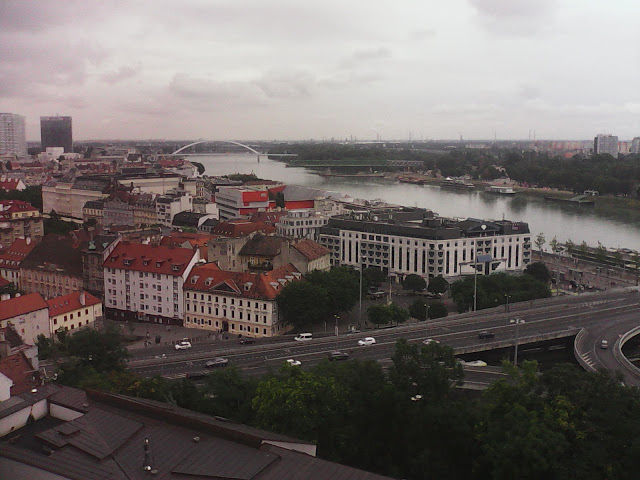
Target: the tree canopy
pixel 414 282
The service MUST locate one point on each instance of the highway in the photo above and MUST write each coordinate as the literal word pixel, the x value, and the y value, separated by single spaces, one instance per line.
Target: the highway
pixel 555 317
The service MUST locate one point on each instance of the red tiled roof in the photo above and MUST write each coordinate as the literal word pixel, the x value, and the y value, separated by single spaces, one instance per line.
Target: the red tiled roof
pixel 12 256
pixel 200 240
pixel 19 370
pixel 68 303
pixel 7 207
pixel 267 286
pixel 310 249
pixel 21 305
pixel 9 184
pixel 4 282
pixel 149 258
pixel 240 228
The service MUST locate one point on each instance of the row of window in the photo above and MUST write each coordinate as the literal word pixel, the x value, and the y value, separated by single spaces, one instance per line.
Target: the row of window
pixel 210 298
pixel 216 311
pixel 232 327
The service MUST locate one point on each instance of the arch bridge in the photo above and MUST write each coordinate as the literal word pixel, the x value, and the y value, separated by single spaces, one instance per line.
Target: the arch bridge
pixel 252 150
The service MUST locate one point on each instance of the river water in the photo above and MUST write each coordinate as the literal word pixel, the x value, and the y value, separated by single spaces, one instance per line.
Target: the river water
pixel 613 228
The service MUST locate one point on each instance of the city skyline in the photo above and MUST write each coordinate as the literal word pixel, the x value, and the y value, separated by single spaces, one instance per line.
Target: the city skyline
pixel 480 69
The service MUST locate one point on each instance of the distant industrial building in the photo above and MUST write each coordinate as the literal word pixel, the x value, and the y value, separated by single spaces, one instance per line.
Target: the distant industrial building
pixel 606 144
pixel 12 135
pixel 56 132
pixel 635 145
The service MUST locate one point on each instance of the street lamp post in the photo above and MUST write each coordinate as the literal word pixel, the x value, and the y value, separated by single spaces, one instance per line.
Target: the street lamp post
pixel 360 308
pixel 507 296
pixel 336 317
pixel 517 322
pixel 475 272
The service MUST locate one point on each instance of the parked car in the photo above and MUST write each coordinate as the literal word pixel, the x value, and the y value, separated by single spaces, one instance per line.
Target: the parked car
pixel 294 363
pixel 427 341
pixel 366 341
pixel 338 356
pixel 485 334
pixel 195 375
pixel 604 344
pixel 247 341
pixel 217 362
pixel 377 294
pixel 183 345
pixel 303 337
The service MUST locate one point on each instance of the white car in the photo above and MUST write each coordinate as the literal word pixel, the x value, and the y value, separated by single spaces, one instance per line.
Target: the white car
pixel 474 363
pixel 294 363
pixel 366 341
pixel 183 345
pixel 429 340
pixel 304 337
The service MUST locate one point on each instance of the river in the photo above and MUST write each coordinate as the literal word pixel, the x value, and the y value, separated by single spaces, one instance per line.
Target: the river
pixel 611 227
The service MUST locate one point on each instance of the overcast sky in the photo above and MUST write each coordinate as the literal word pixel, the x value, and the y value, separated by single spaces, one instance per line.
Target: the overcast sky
pixel 291 69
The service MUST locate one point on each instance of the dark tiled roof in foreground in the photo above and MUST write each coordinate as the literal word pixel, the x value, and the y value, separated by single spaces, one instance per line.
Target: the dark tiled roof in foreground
pixel 107 443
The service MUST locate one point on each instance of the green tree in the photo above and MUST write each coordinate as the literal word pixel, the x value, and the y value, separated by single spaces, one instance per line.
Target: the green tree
pixel 372 276
pixel 342 285
pixel 231 394
pixel 555 245
pixel 540 241
pixel 299 403
pixel 438 285
pixel 414 282
pixel 539 271
pixel 438 310
pixel 379 314
pixel 418 309
pixel 601 253
pixel 303 304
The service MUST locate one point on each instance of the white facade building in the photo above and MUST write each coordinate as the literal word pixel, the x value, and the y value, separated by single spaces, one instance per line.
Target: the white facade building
pixel 12 135
pixel 168 205
pixel 145 282
pixel 304 223
pixel 241 202
pixel 436 247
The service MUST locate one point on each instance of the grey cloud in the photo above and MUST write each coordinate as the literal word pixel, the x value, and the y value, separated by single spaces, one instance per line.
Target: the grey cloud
pixel 201 93
pixel 123 73
pixel 422 34
pixel 364 56
pixel 514 17
pixel 286 84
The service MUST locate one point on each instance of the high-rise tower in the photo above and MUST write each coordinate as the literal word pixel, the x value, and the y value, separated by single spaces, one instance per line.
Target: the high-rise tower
pixel 12 135
pixel 56 132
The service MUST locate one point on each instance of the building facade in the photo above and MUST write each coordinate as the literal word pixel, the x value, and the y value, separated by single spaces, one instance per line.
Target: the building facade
pixel 242 202
pixel 72 312
pixel 13 140
pixel 301 224
pixel 167 206
pixel 145 282
pixel 69 196
pixel 93 257
pixel 23 220
pixel 53 268
pixel 12 257
pixel 29 315
pixel 235 302
pixel 606 144
pixel 56 132
pixel 425 245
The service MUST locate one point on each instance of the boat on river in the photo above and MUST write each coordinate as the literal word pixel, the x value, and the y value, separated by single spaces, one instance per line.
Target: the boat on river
pixel 500 190
pixel 457 184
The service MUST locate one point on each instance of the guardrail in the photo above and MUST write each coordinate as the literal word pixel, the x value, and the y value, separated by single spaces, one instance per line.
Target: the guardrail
pixel 521 341
pixel 576 344
pixel 617 351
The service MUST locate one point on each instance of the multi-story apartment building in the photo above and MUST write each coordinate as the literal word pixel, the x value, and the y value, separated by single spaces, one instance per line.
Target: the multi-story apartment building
pixel 144 282
pixel 19 219
pixel 415 241
pixel 53 268
pixel 167 206
pixel 73 312
pixel 56 132
pixel 29 315
pixel 301 224
pixel 635 145
pixel 12 257
pixel 93 209
pixel 234 302
pixel 12 135
pixel 606 144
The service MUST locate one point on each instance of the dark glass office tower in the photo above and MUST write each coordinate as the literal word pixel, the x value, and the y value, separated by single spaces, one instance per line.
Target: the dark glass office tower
pixel 56 132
